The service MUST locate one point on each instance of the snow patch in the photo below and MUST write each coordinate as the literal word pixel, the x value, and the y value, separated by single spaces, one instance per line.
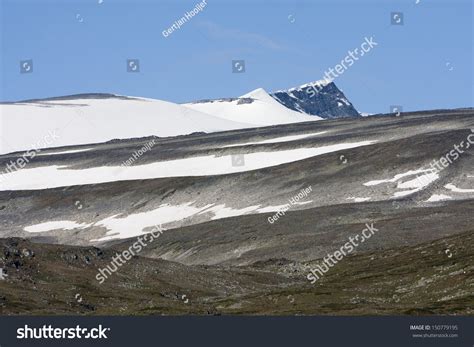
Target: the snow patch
pixel 404 193
pixel 358 199
pixel 396 177
pixel 438 197
pixel 66 152
pixel 320 83
pixel 45 177
pixel 221 211
pixel 134 224
pixel 303 202
pixel 455 189
pixel 278 139
pixel 273 208
pixel 414 185
pixel 419 182
pixel 55 225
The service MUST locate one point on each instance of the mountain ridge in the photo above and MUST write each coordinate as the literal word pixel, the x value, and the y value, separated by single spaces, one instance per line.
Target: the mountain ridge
pixel 319 98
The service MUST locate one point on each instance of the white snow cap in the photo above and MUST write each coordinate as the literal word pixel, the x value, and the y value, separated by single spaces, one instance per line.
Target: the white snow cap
pixel 79 120
pixel 97 118
pixel 264 110
pixel 259 94
pixel 319 83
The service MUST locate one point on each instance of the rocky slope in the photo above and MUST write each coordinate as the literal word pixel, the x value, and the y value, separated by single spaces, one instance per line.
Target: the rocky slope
pixel 226 244
pixel 320 98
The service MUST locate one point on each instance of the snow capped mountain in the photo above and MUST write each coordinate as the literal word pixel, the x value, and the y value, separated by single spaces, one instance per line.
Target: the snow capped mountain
pixel 321 98
pixel 93 118
pixel 256 107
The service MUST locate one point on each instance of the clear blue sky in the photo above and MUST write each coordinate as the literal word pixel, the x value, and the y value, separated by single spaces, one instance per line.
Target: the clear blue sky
pixel 81 46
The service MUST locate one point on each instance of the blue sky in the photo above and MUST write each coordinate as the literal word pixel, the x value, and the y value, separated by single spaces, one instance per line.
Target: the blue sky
pixel 81 46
